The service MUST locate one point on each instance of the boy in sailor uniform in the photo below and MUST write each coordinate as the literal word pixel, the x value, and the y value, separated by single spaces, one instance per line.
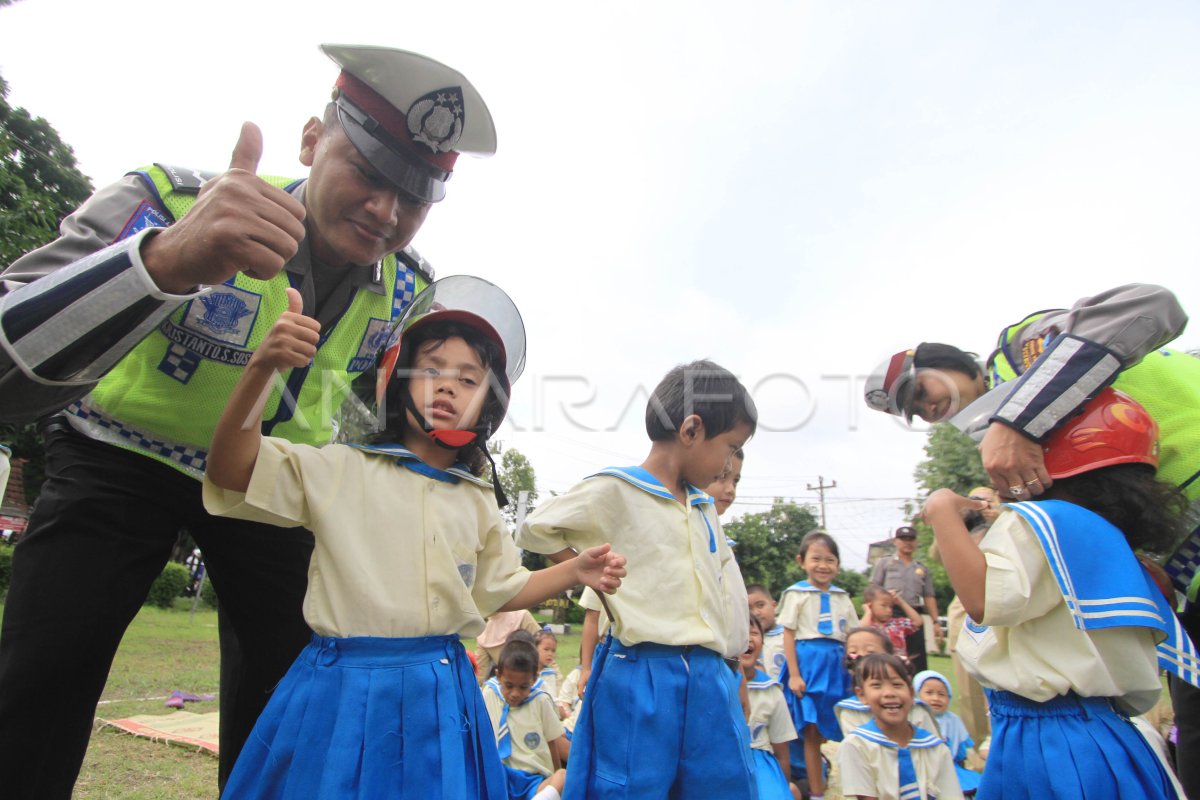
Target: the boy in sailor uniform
pixel 661 714
pixel 889 758
pixel 771 727
pixel 528 731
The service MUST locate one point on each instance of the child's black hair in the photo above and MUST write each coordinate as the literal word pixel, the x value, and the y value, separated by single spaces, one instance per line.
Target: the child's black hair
pixel 1148 511
pixel 754 621
pixel 822 537
pixel 934 355
pixel 705 389
pixel 758 587
pixel 492 413
pixel 544 634
pixel 877 666
pixel 521 635
pixel 518 656
pixel 878 634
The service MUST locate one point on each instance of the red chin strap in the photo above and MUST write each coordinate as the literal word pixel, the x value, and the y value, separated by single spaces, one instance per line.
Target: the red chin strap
pixel 453 439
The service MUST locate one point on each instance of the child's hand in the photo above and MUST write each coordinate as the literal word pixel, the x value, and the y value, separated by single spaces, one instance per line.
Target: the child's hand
pixel 944 504
pixel 600 568
pixel 895 595
pixel 292 340
pixel 797 685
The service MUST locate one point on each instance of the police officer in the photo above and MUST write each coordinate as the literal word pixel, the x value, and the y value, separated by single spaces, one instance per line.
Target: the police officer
pixel 912 580
pixel 126 335
pixel 1045 368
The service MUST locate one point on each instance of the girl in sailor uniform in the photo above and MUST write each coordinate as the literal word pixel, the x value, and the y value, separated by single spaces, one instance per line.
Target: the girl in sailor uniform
pixel 934 691
pixel 1066 629
pixel 852 712
pixel 548 672
pixel 815 616
pixel 529 735
pixel 770 723
pixel 889 758
pixel 411 553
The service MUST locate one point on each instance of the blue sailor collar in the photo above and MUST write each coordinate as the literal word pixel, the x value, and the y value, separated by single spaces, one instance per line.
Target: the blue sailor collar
pixel 805 586
pixel 761 681
pixel 642 479
pixel 1103 583
pixel 853 703
pixel 539 687
pixel 410 460
pixel 776 631
pixel 921 738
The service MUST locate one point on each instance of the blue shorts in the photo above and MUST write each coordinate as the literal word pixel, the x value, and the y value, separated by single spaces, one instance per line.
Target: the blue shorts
pixel 660 721
pixel 367 717
pixel 522 785
pixel 1070 746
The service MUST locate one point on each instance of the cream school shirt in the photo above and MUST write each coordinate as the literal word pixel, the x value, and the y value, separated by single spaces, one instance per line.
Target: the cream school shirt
pixel 770 722
pixel 773 658
pixel 1032 647
pixel 532 726
pixel 397 553
pixel 799 611
pixel 677 591
pixel 873 770
pixel 852 713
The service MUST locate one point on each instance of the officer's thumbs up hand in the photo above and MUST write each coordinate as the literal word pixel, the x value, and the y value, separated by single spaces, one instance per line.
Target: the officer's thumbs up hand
pixel 238 224
pixel 292 340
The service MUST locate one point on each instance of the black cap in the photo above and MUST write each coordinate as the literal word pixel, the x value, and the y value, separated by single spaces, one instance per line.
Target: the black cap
pixel 906 532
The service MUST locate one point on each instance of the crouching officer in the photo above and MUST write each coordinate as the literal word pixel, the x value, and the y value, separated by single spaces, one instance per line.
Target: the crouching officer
pixel 126 335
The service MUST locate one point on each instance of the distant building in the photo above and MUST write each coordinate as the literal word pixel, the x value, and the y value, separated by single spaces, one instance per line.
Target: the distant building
pixel 877 550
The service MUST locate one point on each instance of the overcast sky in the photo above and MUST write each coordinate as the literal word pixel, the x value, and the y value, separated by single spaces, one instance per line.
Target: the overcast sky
pixel 795 190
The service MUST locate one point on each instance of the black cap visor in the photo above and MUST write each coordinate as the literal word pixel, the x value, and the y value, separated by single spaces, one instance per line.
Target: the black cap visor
pixel 410 173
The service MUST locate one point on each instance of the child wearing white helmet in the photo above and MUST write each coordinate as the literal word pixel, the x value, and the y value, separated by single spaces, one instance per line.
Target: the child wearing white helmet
pixel 411 554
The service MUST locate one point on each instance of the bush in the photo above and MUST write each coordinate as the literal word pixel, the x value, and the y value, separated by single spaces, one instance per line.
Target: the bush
pixel 169 585
pixel 208 595
pixel 5 568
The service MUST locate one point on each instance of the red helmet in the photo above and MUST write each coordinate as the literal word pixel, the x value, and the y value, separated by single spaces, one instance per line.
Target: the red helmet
pixel 1112 429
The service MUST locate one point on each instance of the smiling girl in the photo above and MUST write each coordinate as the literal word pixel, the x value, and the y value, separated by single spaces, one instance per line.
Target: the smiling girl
pixel 815 616
pixel 889 758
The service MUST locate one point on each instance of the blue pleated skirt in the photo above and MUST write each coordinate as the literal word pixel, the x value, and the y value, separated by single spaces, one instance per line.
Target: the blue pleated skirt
pixel 373 718
pixel 827 682
pixel 522 785
pixel 772 785
pixel 1071 746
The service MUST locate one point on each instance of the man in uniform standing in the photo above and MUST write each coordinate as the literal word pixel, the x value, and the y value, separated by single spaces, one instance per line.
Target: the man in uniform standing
pixel 125 336
pixel 911 579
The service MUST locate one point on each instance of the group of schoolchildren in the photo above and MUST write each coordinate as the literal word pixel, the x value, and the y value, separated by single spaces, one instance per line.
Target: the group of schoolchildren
pixel 686 695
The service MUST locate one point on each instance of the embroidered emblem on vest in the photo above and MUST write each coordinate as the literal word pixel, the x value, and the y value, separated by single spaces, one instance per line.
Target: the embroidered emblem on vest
pixel 226 314
pixel 436 119
pixel 222 312
pixel 374 337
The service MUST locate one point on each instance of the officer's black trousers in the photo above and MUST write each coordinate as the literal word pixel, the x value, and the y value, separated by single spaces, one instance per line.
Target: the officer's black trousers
pixel 101 532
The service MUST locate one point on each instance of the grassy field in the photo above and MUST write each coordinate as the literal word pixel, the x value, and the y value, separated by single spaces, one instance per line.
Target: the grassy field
pixel 168 650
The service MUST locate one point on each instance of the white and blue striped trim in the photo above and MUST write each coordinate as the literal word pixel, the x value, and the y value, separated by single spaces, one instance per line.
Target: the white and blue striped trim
pixel 402 453
pixel 1088 612
pixel 762 681
pixel 642 479
pixel 1070 371
pixel 921 738
pixel 805 586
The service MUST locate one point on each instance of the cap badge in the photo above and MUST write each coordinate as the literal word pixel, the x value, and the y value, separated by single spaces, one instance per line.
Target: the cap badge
pixel 436 119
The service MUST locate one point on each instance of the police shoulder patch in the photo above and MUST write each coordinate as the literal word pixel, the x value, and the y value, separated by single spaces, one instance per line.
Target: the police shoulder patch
pixel 185 179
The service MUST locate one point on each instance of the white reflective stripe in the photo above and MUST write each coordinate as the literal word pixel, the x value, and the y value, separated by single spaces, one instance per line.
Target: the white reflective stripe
pixel 1055 360
pixel 1074 397
pixel 72 323
pixel 1122 613
pixel 1111 600
pixel 121 348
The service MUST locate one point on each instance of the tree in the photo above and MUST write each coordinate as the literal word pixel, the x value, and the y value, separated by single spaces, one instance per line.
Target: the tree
pixel 39 185
pixel 952 461
pixel 516 476
pixel 39 182
pixel 768 542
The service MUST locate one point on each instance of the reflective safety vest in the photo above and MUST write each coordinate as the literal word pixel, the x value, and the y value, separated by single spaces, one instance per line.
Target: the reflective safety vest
pixel 165 397
pixel 1166 382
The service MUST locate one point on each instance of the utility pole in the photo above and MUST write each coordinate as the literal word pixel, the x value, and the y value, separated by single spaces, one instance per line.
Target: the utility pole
pixel 820 490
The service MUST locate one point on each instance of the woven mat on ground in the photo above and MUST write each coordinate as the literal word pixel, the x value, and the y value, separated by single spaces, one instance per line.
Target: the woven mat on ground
pixel 181 728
